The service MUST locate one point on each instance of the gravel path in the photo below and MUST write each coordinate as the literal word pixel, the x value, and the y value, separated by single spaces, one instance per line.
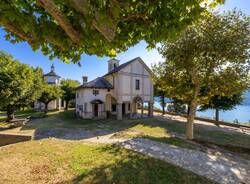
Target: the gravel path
pixel 222 169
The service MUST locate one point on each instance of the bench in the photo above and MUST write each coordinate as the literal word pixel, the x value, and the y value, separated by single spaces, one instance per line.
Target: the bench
pixel 19 122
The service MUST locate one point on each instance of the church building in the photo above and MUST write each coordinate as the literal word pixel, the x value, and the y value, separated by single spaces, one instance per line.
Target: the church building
pixel 121 92
pixel 52 79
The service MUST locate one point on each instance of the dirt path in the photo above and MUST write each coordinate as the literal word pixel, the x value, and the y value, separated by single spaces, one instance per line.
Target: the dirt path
pixel 208 125
pixel 222 169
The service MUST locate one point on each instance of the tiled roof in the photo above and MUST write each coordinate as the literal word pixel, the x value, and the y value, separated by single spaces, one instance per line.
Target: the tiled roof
pixel 52 73
pixel 99 83
pixel 121 66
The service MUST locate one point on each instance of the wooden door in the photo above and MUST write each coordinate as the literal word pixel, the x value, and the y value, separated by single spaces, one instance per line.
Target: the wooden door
pixel 95 110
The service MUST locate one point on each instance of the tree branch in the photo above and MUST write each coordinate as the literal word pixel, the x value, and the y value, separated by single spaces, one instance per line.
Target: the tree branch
pixel 13 29
pixel 107 30
pixel 135 16
pixel 62 20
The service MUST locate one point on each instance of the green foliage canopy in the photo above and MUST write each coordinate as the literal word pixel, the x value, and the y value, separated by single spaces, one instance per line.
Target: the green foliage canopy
pixel 159 90
pixel 68 28
pixel 223 102
pixel 68 87
pixel 20 84
pixel 49 93
pixel 213 53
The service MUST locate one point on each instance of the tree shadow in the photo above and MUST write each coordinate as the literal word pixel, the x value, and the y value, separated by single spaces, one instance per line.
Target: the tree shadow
pixel 134 168
pixel 65 125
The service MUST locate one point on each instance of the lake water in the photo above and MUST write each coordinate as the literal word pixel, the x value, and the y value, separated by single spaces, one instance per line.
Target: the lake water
pixel 241 113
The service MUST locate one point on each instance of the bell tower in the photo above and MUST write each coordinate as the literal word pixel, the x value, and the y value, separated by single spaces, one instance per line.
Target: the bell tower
pixel 52 68
pixel 112 64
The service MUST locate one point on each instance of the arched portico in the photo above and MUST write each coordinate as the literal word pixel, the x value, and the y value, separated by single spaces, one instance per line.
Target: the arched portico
pixel 136 103
pixel 110 105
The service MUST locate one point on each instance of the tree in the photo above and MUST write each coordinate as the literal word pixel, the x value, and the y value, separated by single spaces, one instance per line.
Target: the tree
pixel 213 52
pixel 68 87
pixel 67 29
pixel 49 93
pixel 177 106
pixel 19 84
pixel 222 103
pixel 158 73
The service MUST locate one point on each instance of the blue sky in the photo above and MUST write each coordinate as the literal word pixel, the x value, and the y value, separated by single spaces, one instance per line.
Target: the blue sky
pixel 94 66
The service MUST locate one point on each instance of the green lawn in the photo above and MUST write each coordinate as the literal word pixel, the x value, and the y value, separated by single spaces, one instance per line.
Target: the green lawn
pixel 68 161
pixel 57 161
pixel 151 128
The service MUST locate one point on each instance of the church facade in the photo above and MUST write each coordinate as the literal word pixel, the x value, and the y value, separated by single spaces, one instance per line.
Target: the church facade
pixel 122 92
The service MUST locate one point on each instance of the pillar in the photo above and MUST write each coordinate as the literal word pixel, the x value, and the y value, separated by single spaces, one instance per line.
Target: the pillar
pixel 150 109
pixel 142 109
pixel 131 109
pixel 119 111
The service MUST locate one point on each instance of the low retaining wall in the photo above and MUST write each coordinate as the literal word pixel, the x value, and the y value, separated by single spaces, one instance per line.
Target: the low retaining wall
pixel 6 139
pixel 210 120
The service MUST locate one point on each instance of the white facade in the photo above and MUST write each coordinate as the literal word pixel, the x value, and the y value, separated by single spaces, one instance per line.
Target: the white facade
pixel 132 86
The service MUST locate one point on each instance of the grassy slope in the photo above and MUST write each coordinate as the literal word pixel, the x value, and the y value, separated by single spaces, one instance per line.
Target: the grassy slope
pixel 151 128
pixel 73 162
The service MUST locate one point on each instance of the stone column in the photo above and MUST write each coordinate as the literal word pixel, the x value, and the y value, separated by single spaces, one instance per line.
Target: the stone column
pixel 131 109
pixel 150 109
pixel 119 111
pixel 142 109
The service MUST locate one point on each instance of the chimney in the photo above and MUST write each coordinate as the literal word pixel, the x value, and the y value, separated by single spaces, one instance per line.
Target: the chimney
pixel 84 79
pixel 112 64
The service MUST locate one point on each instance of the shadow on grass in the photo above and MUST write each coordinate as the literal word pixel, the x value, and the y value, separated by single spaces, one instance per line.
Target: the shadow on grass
pixel 133 168
pixel 65 125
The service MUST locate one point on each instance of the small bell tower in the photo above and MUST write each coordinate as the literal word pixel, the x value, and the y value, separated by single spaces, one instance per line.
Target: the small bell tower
pixel 112 64
pixel 52 68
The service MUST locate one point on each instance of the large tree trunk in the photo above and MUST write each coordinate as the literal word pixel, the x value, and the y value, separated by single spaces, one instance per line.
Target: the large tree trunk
pixel 10 113
pixel 188 109
pixel 190 119
pixel 66 105
pixel 163 104
pixel 46 108
pixel 217 117
pixel 193 106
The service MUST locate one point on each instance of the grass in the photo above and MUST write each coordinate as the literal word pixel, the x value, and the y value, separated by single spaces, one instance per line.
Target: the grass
pixel 63 161
pixel 152 128
pixel 57 161
pixel 10 139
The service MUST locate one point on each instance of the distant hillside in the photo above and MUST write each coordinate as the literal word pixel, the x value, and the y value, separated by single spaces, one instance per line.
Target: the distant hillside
pixel 247 99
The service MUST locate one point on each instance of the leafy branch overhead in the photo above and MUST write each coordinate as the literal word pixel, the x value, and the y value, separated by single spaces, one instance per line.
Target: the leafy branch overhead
pixel 68 28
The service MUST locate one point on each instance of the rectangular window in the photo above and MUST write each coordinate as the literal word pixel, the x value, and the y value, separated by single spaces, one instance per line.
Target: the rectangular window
pixel 77 95
pixel 137 84
pixel 129 107
pixel 95 92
